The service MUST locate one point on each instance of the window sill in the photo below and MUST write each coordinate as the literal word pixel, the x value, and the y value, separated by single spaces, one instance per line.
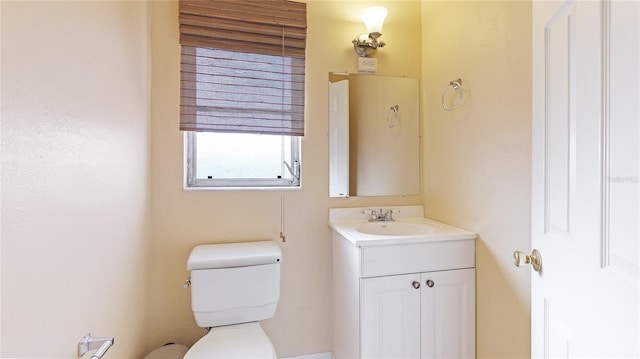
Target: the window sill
pixel 241 189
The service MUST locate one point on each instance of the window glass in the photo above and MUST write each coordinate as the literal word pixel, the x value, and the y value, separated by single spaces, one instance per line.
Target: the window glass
pixel 242 160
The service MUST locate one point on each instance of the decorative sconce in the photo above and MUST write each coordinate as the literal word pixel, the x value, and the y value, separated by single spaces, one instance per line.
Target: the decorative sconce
pixel 366 44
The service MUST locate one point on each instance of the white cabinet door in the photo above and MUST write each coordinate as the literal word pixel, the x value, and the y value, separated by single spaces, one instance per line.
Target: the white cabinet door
pixel 448 314
pixel 339 139
pixel 390 317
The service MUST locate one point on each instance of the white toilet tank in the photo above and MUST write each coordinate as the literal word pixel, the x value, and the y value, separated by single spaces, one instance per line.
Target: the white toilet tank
pixel 234 283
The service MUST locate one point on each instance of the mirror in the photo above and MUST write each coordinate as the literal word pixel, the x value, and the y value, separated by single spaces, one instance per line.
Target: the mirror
pixel 374 135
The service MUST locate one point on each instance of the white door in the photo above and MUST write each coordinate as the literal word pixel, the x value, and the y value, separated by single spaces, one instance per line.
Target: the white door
pixel 585 197
pixel 391 317
pixel 448 314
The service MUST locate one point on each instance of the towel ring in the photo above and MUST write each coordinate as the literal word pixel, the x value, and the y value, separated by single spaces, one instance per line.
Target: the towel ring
pixel 392 116
pixel 457 88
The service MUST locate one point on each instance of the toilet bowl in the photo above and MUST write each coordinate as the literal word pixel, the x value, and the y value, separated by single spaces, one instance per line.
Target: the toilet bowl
pixel 234 341
pixel 233 286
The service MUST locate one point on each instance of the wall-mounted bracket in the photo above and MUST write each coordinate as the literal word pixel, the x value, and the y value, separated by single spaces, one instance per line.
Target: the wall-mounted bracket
pixel 87 342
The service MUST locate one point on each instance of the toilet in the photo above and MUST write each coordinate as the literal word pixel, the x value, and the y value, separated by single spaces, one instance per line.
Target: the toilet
pixel 233 286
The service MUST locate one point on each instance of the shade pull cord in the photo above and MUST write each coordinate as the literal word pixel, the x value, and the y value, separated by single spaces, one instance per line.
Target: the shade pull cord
pixel 282 204
pixel 282 217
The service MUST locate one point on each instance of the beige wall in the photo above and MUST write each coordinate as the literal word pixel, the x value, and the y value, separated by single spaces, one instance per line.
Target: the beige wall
pixel 182 219
pixel 74 203
pixel 478 157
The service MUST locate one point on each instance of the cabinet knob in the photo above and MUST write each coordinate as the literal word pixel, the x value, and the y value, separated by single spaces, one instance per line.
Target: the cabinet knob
pixel 416 284
pixel 430 283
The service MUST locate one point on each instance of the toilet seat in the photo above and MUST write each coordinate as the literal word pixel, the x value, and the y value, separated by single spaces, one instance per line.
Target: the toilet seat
pixel 246 340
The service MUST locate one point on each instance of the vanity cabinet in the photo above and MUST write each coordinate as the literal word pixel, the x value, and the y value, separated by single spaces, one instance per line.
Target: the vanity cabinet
pixel 403 317
pixel 404 300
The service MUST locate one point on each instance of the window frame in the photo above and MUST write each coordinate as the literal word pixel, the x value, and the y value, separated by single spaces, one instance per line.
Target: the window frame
pixel 191 182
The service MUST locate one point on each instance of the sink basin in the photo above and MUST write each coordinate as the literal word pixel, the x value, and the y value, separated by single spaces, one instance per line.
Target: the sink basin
pixel 395 229
pixel 409 227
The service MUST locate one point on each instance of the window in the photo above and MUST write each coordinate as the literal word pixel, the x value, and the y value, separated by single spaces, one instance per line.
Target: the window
pixel 242 160
pixel 242 91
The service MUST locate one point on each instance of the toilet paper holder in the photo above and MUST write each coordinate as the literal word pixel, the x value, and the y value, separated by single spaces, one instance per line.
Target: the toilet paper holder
pixel 87 342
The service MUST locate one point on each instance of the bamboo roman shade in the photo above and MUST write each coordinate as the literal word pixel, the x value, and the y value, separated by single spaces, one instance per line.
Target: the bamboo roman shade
pixel 242 66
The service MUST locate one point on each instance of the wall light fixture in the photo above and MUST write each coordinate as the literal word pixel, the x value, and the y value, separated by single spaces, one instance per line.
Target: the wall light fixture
pixel 366 44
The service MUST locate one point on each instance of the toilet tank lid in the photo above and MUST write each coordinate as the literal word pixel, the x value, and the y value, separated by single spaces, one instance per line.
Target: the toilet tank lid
pixel 228 255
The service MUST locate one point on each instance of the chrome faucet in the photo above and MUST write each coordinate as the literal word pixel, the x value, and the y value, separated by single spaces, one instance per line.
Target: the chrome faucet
pixel 381 216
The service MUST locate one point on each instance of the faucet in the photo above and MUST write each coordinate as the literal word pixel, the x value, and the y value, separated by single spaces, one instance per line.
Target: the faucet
pixel 381 216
